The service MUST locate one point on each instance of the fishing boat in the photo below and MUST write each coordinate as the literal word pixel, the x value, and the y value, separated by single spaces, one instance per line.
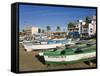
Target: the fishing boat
pixel 59 39
pixel 45 44
pixel 21 38
pixel 37 46
pixel 64 41
pixel 40 36
pixel 67 55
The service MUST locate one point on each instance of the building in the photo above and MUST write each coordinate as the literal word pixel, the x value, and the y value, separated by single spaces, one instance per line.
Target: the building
pixel 85 31
pixel 59 35
pixel 79 26
pixel 94 24
pixel 31 30
pixel 34 30
pixel 56 35
pixel 90 30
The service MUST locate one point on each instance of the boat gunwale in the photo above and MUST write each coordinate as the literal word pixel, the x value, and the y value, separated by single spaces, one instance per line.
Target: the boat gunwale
pixel 71 53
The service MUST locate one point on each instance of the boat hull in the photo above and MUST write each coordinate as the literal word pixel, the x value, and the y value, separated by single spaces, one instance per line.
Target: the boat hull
pixel 70 58
pixel 39 47
pixel 71 62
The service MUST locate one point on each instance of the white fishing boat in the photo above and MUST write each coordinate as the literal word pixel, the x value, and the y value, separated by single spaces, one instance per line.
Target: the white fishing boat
pixel 59 39
pixel 68 42
pixel 37 46
pixel 44 44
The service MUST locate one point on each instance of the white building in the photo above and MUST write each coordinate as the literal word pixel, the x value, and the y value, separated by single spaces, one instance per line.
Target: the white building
pixel 79 26
pixel 90 30
pixel 34 30
pixel 31 30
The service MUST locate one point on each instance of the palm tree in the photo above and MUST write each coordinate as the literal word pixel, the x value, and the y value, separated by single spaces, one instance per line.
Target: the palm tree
pixel 23 30
pixel 39 30
pixel 71 25
pixel 43 31
pixel 58 28
pixel 87 20
pixel 48 28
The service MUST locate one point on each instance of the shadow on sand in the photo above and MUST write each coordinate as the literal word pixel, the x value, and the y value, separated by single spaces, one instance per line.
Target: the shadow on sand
pixel 41 59
pixel 89 62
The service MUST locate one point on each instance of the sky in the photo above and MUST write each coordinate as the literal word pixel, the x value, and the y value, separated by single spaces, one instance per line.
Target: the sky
pixel 42 16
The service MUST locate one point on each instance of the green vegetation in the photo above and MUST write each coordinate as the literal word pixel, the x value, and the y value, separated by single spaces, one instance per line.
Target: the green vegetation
pixel 58 28
pixel 43 30
pixel 48 28
pixel 39 30
pixel 87 20
pixel 71 25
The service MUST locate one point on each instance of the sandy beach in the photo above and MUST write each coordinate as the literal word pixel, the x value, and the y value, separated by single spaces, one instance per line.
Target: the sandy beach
pixel 29 61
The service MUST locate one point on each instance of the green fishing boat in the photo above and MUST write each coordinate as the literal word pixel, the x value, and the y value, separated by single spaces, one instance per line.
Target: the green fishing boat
pixel 68 55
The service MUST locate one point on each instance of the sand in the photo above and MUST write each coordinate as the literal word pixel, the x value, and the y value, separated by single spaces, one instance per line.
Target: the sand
pixel 29 61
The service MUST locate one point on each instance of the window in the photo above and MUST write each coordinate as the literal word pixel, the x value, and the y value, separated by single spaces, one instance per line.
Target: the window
pixel 91 30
